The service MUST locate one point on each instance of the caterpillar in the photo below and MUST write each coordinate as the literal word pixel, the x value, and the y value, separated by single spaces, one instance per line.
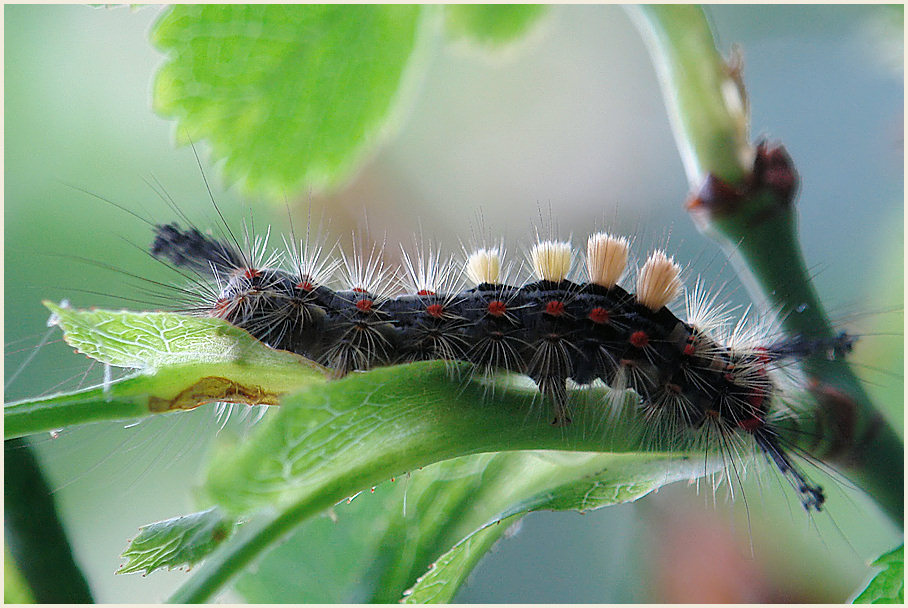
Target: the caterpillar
pixel 557 329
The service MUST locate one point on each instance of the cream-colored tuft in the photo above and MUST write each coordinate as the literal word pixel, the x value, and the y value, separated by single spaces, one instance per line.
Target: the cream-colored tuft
pixel 484 266
pixel 551 260
pixel 606 258
pixel 658 282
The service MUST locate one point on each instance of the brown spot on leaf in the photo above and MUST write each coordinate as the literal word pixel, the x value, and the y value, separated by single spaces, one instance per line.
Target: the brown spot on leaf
pixel 213 388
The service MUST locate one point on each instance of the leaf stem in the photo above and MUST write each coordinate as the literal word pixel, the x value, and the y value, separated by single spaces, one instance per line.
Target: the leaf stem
pixel 57 411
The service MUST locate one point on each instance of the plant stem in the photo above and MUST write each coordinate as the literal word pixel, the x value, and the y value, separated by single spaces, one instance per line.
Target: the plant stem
pixel 693 75
pixel 252 539
pixel 31 416
pixel 34 533
pixel 744 199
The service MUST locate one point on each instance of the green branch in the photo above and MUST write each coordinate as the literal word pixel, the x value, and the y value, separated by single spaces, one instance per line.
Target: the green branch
pixel 34 533
pixel 32 416
pixel 744 198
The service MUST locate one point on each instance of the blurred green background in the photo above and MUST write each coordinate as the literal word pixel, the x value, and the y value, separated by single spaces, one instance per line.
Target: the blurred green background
pixel 570 119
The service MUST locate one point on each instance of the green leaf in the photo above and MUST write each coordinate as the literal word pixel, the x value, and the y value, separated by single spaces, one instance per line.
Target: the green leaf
pixel 443 503
pixel 332 441
pixel 557 482
pixel 491 24
pixel 445 576
pixel 887 587
pixel 184 362
pixel 289 95
pixel 347 435
pixel 160 339
pixel 177 542
pixel 373 548
pixel 349 541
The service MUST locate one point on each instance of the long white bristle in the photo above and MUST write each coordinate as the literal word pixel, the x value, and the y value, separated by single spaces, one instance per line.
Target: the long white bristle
pixel 658 282
pixel 606 258
pixel 705 311
pixel 307 261
pixel 368 274
pixel 484 266
pixel 256 250
pixel 426 271
pixel 551 260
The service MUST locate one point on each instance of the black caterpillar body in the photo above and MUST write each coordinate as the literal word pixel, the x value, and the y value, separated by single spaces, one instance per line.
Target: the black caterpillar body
pixel 550 330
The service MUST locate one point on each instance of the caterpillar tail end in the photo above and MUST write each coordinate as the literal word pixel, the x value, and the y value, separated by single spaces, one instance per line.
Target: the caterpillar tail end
pixel 811 495
pixel 191 249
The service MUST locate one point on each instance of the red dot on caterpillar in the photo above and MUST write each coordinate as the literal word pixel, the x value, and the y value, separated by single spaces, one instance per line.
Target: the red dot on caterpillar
pixel 435 310
pixel 639 339
pixel 690 348
pixel 599 315
pixel 221 306
pixel 756 398
pixel 554 308
pixel 497 308
pixel 750 424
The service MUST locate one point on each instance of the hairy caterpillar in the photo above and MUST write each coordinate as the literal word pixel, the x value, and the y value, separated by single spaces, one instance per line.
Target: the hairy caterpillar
pixel 699 375
pixel 593 110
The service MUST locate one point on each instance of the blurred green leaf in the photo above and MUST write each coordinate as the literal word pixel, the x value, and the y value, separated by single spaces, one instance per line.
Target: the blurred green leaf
pixel 176 542
pixel 15 587
pixel 375 548
pixel 184 361
pixel 289 95
pixel 328 558
pixel 887 587
pixel 555 482
pixel 443 503
pixel 491 24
